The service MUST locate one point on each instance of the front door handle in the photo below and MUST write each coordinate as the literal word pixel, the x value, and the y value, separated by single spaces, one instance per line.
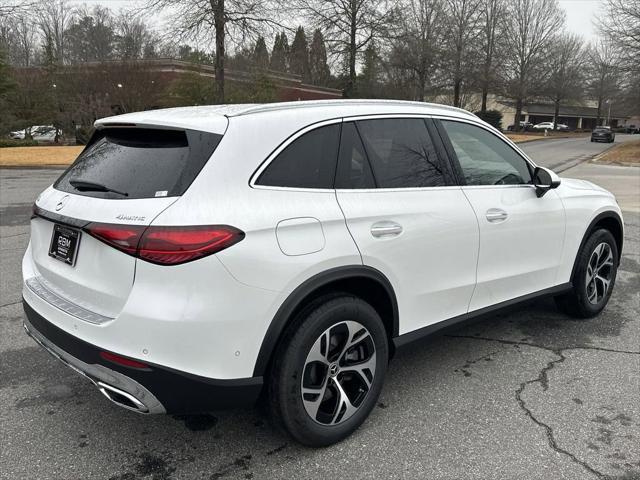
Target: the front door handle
pixel 385 229
pixel 496 215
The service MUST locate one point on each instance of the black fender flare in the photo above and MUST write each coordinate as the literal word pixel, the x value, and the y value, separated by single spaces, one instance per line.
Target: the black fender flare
pixel 598 218
pixel 295 299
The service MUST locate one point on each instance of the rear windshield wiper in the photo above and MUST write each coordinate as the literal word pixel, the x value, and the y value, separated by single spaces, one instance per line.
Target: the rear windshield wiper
pixel 89 186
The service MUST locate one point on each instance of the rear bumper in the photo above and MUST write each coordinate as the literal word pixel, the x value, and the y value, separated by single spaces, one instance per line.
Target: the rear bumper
pixel 155 389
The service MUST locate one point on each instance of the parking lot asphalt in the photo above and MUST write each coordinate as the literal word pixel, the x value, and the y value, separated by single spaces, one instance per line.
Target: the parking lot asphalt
pixel 529 394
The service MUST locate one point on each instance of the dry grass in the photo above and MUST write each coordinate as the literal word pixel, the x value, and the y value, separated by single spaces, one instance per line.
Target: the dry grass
pixel 38 156
pixel 521 138
pixel 627 153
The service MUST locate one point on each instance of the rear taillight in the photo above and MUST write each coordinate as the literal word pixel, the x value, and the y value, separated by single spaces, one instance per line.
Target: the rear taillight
pixel 166 245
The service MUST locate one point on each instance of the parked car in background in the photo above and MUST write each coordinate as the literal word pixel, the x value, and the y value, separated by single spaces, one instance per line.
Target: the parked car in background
pixel 603 134
pixel 549 126
pixel 40 133
pixel 151 271
pixel 524 126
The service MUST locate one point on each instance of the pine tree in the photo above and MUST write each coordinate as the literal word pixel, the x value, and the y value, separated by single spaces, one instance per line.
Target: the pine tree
pixel 318 67
pixel 260 54
pixel 367 85
pixel 299 56
pixel 279 53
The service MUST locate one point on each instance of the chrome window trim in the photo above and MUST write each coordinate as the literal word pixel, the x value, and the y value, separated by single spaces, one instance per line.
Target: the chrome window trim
pixel 263 166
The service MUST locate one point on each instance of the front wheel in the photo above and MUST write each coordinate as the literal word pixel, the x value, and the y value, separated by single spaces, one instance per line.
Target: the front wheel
pixel 328 374
pixel 594 277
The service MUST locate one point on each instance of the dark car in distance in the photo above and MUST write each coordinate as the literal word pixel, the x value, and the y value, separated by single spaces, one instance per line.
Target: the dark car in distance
pixel 603 134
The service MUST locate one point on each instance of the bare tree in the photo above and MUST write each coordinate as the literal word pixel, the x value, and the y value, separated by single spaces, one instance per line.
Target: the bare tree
pixel 132 35
pixel 603 73
pixel 491 19
pixel 53 18
pixel 348 27
pixel 529 30
pixel 226 19
pixel 10 8
pixel 462 31
pixel 566 65
pixel 621 23
pixel 417 47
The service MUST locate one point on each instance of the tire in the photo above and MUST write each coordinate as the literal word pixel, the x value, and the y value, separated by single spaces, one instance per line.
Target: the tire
pixel 303 360
pixel 589 297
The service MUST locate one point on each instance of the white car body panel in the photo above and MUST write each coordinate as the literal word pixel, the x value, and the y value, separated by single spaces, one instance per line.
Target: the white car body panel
pixel 209 317
pixel 518 255
pixel 432 262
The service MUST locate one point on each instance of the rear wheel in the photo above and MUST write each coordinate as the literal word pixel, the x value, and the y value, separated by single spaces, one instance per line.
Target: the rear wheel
pixel 328 374
pixel 594 278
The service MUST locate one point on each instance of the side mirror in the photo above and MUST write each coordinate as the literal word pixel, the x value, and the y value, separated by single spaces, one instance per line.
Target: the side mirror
pixel 544 180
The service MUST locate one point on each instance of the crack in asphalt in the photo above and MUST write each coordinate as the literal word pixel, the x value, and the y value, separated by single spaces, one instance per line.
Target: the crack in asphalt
pixel 543 380
pixel 12 236
pixel 9 304
pixel 537 345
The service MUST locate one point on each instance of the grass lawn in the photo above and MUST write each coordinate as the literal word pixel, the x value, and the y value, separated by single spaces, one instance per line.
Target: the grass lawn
pixel 38 156
pixel 626 153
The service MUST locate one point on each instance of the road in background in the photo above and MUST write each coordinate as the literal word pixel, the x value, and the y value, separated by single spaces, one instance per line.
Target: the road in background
pixel 563 153
pixel 529 394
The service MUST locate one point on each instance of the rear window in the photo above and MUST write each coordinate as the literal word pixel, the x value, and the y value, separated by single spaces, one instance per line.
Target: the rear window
pixel 141 163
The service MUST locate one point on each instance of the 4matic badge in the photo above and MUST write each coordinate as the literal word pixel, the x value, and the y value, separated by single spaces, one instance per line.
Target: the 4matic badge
pixel 131 218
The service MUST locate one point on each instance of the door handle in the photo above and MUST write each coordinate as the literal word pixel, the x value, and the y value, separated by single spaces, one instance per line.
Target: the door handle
pixel 496 215
pixel 385 229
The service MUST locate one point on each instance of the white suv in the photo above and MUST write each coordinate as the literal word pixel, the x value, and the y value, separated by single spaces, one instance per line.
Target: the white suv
pixel 192 256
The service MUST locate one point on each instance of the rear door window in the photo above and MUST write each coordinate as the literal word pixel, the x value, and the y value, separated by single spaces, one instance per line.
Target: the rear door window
pixel 139 162
pixel 401 153
pixel 307 162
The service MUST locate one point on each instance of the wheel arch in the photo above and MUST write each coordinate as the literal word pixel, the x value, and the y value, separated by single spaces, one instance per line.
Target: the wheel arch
pixel 365 282
pixel 609 220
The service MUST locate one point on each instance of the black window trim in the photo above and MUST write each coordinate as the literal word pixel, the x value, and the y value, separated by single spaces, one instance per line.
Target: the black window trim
pixel 284 144
pixel 455 163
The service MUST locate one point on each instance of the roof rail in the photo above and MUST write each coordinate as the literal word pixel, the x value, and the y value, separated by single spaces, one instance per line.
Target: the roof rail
pixel 270 107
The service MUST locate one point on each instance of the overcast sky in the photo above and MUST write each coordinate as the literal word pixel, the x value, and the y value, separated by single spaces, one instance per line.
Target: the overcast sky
pixel 580 13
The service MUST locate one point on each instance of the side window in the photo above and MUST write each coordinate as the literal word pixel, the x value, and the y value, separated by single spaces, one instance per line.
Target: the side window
pixel 401 153
pixel 308 162
pixel 484 158
pixel 353 167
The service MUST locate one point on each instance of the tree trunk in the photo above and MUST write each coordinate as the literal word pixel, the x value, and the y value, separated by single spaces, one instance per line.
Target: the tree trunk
pixel 556 112
pixel 485 93
pixel 456 92
pixel 219 23
pixel 599 109
pixel 516 123
pixel 351 83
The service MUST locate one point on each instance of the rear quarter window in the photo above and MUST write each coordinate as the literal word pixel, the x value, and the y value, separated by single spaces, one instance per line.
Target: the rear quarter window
pixel 309 161
pixel 143 163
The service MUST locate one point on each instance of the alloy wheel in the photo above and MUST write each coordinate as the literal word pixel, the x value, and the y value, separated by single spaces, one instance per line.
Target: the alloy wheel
pixel 338 373
pixel 599 273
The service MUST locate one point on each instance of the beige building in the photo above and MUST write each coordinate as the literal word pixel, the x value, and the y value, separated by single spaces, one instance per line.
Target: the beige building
pixel 575 116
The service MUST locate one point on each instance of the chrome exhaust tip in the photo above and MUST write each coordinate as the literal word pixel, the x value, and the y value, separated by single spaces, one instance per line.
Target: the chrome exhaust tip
pixel 122 398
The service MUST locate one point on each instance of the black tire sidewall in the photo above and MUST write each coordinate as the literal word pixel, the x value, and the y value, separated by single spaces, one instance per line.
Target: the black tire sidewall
pixel 292 412
pixel 579 280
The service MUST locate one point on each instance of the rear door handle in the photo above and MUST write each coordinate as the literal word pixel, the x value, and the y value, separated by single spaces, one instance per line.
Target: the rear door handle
pixel 496 215
pixel 385 229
